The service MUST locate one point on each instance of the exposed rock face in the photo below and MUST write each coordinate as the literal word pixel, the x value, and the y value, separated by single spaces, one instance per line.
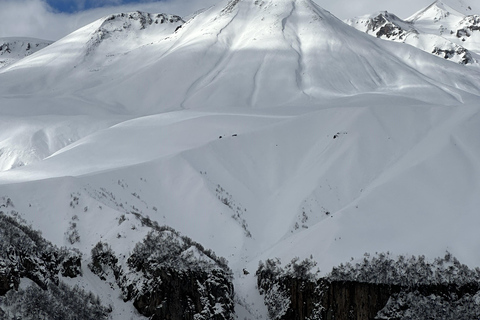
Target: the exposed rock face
pixel 354 300
pixel 71 266
pixel 365 301
pixel 468 25
pixel 388 25
pixel 186 295
pixel 170 277
pixel 8 279
pixel 292 293
pixel 325 300
pixel 457 51
pixel 384 289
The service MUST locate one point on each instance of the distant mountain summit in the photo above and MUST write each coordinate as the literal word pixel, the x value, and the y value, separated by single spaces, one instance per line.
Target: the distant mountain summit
pixel 14 49
pixel 464 7
pixel 441 19
pixel 438 11
pixel 437 29
pixel 388 26
pixel 137 27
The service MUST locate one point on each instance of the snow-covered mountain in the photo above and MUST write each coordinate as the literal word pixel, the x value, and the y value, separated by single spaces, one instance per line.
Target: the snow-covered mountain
pixel 14 49
pixel 437 29
pixel 443 20
pixel 199 61
pixel 258 128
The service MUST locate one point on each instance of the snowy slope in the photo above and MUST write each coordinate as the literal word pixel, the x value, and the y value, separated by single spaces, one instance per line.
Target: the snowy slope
pixel 14 49
pixel 464 6
pixel 259 129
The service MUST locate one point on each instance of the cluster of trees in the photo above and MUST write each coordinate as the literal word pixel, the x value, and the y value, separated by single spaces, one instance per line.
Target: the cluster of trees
pixel 57 302
pixel 166 248
pixel 280 285
pixel 165 256
pixel 169 274
pixel 415 288
pixel 104 262
pixel 416 306
pixel 404 271
pixel 272 269
pixel 179 243
pixel 24 253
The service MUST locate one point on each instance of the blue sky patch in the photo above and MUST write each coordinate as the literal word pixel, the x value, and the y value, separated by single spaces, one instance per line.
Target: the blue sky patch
pixel 71 6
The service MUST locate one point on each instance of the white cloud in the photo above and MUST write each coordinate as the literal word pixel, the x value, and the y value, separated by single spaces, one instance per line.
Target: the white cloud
pixel 34 18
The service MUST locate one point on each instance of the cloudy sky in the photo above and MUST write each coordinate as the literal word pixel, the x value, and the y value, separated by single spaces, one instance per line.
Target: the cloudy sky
pixel 53 19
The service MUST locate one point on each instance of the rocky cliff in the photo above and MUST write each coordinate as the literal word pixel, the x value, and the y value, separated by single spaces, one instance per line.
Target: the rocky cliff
pixel 290 295
pixel 170 277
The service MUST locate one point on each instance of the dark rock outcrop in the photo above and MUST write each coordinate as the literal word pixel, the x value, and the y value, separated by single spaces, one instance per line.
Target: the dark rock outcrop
pixel 354 300
pixel 377 288
pixel 351 300
pixel 170 277
pixel 469 25
pixel 187 295
pixel 9 279
pixel 71 266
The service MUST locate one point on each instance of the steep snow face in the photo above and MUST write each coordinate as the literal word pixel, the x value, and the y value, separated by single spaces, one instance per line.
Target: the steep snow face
pixel 437 12
pixel 241 53
pixel 388 26
pixel 14 49
pixel 26 140
pixel 464 6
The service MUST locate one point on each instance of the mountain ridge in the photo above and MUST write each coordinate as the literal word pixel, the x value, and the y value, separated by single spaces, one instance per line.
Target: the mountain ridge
pixel 280 44
pixel 13 49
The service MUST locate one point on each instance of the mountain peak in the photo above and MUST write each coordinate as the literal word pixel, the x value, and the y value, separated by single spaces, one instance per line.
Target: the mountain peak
pixel 136 21
pixel 134 26
pixel 14 49
pixel 437 11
